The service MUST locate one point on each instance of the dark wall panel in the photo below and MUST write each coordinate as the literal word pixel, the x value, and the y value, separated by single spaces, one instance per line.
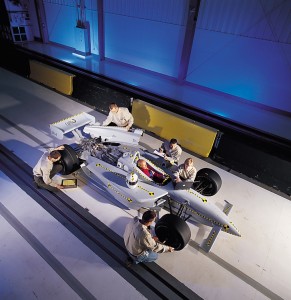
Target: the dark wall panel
pixel 13 60
pixel 257 160
pixel 98 95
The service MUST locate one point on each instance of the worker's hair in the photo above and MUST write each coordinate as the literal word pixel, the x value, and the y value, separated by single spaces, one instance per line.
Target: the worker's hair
pixel 112 105
pixel 55 154
pixel 148 216
pixel 189 160
pixel 173 141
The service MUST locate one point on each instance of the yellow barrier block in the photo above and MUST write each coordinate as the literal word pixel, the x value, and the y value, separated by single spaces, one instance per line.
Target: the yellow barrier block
pixel 51 77
pixel 190 134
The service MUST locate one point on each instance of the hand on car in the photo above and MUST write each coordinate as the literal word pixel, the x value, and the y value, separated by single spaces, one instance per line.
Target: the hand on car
pixel 60 187
pixel 62 147
pixel 171 249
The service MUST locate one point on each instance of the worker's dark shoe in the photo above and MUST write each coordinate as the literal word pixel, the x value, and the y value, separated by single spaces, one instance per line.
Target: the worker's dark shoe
pixel 128 262
pixel 35 185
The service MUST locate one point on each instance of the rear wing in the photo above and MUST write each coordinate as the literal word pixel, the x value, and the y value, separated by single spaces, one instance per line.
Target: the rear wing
pixel 59 128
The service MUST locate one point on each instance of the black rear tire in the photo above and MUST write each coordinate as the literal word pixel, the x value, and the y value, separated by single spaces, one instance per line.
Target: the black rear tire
pixel 69 160
pixel 207 182
pixel 173 231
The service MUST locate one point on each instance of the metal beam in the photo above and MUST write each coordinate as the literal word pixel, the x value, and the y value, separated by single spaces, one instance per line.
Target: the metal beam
pixel 42 24
pixel 188 39
pixel 101 42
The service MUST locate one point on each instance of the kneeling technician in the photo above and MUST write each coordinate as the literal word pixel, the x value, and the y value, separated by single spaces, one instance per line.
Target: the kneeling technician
pixel 139 242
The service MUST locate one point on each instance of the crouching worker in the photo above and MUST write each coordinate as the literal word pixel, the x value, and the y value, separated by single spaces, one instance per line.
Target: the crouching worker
pixel 46 168
pixel 139 242
pixel 150 172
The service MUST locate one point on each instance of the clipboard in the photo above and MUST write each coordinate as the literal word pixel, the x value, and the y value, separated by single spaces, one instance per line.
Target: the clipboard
pixel 69 183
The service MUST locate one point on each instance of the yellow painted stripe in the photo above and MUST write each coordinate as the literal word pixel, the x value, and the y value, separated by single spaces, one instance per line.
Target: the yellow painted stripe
pixel 120 175
pixel 211 238
pixel 57 122
pixel 109 185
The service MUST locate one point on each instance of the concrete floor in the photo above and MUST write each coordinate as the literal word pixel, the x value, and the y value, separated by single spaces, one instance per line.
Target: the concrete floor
pixel 40 258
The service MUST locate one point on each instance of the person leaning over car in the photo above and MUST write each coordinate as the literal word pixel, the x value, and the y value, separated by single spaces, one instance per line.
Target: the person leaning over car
pixel 139 242
pixel 118 116
pixel 46 168
pixel 185 172
pixel 172 151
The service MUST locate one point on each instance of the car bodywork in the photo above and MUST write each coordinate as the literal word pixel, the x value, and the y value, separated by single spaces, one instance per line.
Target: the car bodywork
pixel 106 166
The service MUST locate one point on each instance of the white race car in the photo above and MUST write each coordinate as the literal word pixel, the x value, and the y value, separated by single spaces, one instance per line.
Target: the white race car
pixel 110 165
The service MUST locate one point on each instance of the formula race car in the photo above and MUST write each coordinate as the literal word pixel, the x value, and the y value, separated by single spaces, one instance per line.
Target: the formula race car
pixel 110 165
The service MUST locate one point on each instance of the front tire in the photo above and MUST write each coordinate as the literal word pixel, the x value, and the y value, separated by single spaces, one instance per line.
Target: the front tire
pixel 207 182
pixel 173 231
